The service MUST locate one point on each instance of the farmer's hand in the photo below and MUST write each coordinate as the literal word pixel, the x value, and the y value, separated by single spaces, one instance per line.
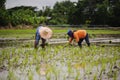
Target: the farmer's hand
pixel 70 44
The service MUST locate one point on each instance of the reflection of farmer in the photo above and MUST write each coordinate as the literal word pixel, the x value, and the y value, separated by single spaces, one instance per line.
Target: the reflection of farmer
pixel 79 35
pixel 42 33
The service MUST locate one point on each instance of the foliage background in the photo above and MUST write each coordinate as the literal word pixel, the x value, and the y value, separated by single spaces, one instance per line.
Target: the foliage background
pixel 89 12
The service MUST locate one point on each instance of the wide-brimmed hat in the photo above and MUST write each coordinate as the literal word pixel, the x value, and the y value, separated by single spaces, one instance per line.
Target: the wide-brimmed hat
pixel 45 32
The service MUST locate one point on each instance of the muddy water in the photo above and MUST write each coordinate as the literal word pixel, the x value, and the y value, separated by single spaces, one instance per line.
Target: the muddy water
pixel 99 39
pixel 7 42
pixel 62 73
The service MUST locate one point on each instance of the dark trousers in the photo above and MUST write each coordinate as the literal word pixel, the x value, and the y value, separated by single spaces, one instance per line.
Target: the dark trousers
pixel 86 39
pixel 37 38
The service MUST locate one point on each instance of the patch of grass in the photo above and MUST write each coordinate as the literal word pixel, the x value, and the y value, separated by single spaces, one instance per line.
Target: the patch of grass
pixel 104 31
pixel 29 33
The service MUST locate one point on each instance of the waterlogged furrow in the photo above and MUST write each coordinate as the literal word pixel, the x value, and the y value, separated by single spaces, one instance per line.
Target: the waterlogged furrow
pixel 60 63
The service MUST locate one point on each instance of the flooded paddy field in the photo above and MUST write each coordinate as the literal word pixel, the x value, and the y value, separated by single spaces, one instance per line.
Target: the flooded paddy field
pixel 60 61
pixel 97 39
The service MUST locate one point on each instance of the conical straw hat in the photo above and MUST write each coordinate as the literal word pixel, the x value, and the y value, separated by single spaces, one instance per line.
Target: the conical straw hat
pixel 45 32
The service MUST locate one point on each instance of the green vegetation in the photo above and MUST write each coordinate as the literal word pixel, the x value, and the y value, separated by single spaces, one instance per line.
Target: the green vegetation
pixel 60 62
pixel 30 33
pixel 103 31
pixel 86 12
pixel 15 33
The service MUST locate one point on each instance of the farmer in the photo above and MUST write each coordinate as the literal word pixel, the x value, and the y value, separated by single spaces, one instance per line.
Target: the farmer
pixel 42 33
pixel 79 36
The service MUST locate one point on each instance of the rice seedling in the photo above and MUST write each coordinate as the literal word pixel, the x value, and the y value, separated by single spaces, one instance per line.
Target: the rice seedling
pixel 30 75
pixel 95 77
pixel 11 75
pixel 61 62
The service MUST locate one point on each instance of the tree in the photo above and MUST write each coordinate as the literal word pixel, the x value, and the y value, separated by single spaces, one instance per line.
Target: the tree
pixel 61 11
pixel 76 17
pixel 83 12
pixel 4 17
pixel 2 4
pixel 3 13
pixel 101 13
pixel 47 11
pixel 114 11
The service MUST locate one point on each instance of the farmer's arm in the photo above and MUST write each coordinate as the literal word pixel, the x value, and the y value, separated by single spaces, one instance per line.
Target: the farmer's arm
pixel 76 37
pixel 70 40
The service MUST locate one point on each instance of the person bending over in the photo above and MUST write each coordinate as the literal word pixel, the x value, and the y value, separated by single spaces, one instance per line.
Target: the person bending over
pixel 79 36
pixel 42 33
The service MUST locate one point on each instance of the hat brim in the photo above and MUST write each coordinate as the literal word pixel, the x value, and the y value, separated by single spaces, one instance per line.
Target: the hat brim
pixel 45 32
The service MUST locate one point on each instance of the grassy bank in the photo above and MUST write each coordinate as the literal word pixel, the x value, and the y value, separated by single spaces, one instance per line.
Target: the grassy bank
pixel 29 33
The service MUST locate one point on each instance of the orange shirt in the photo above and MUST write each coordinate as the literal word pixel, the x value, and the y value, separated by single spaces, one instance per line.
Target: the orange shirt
pixel 79 34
